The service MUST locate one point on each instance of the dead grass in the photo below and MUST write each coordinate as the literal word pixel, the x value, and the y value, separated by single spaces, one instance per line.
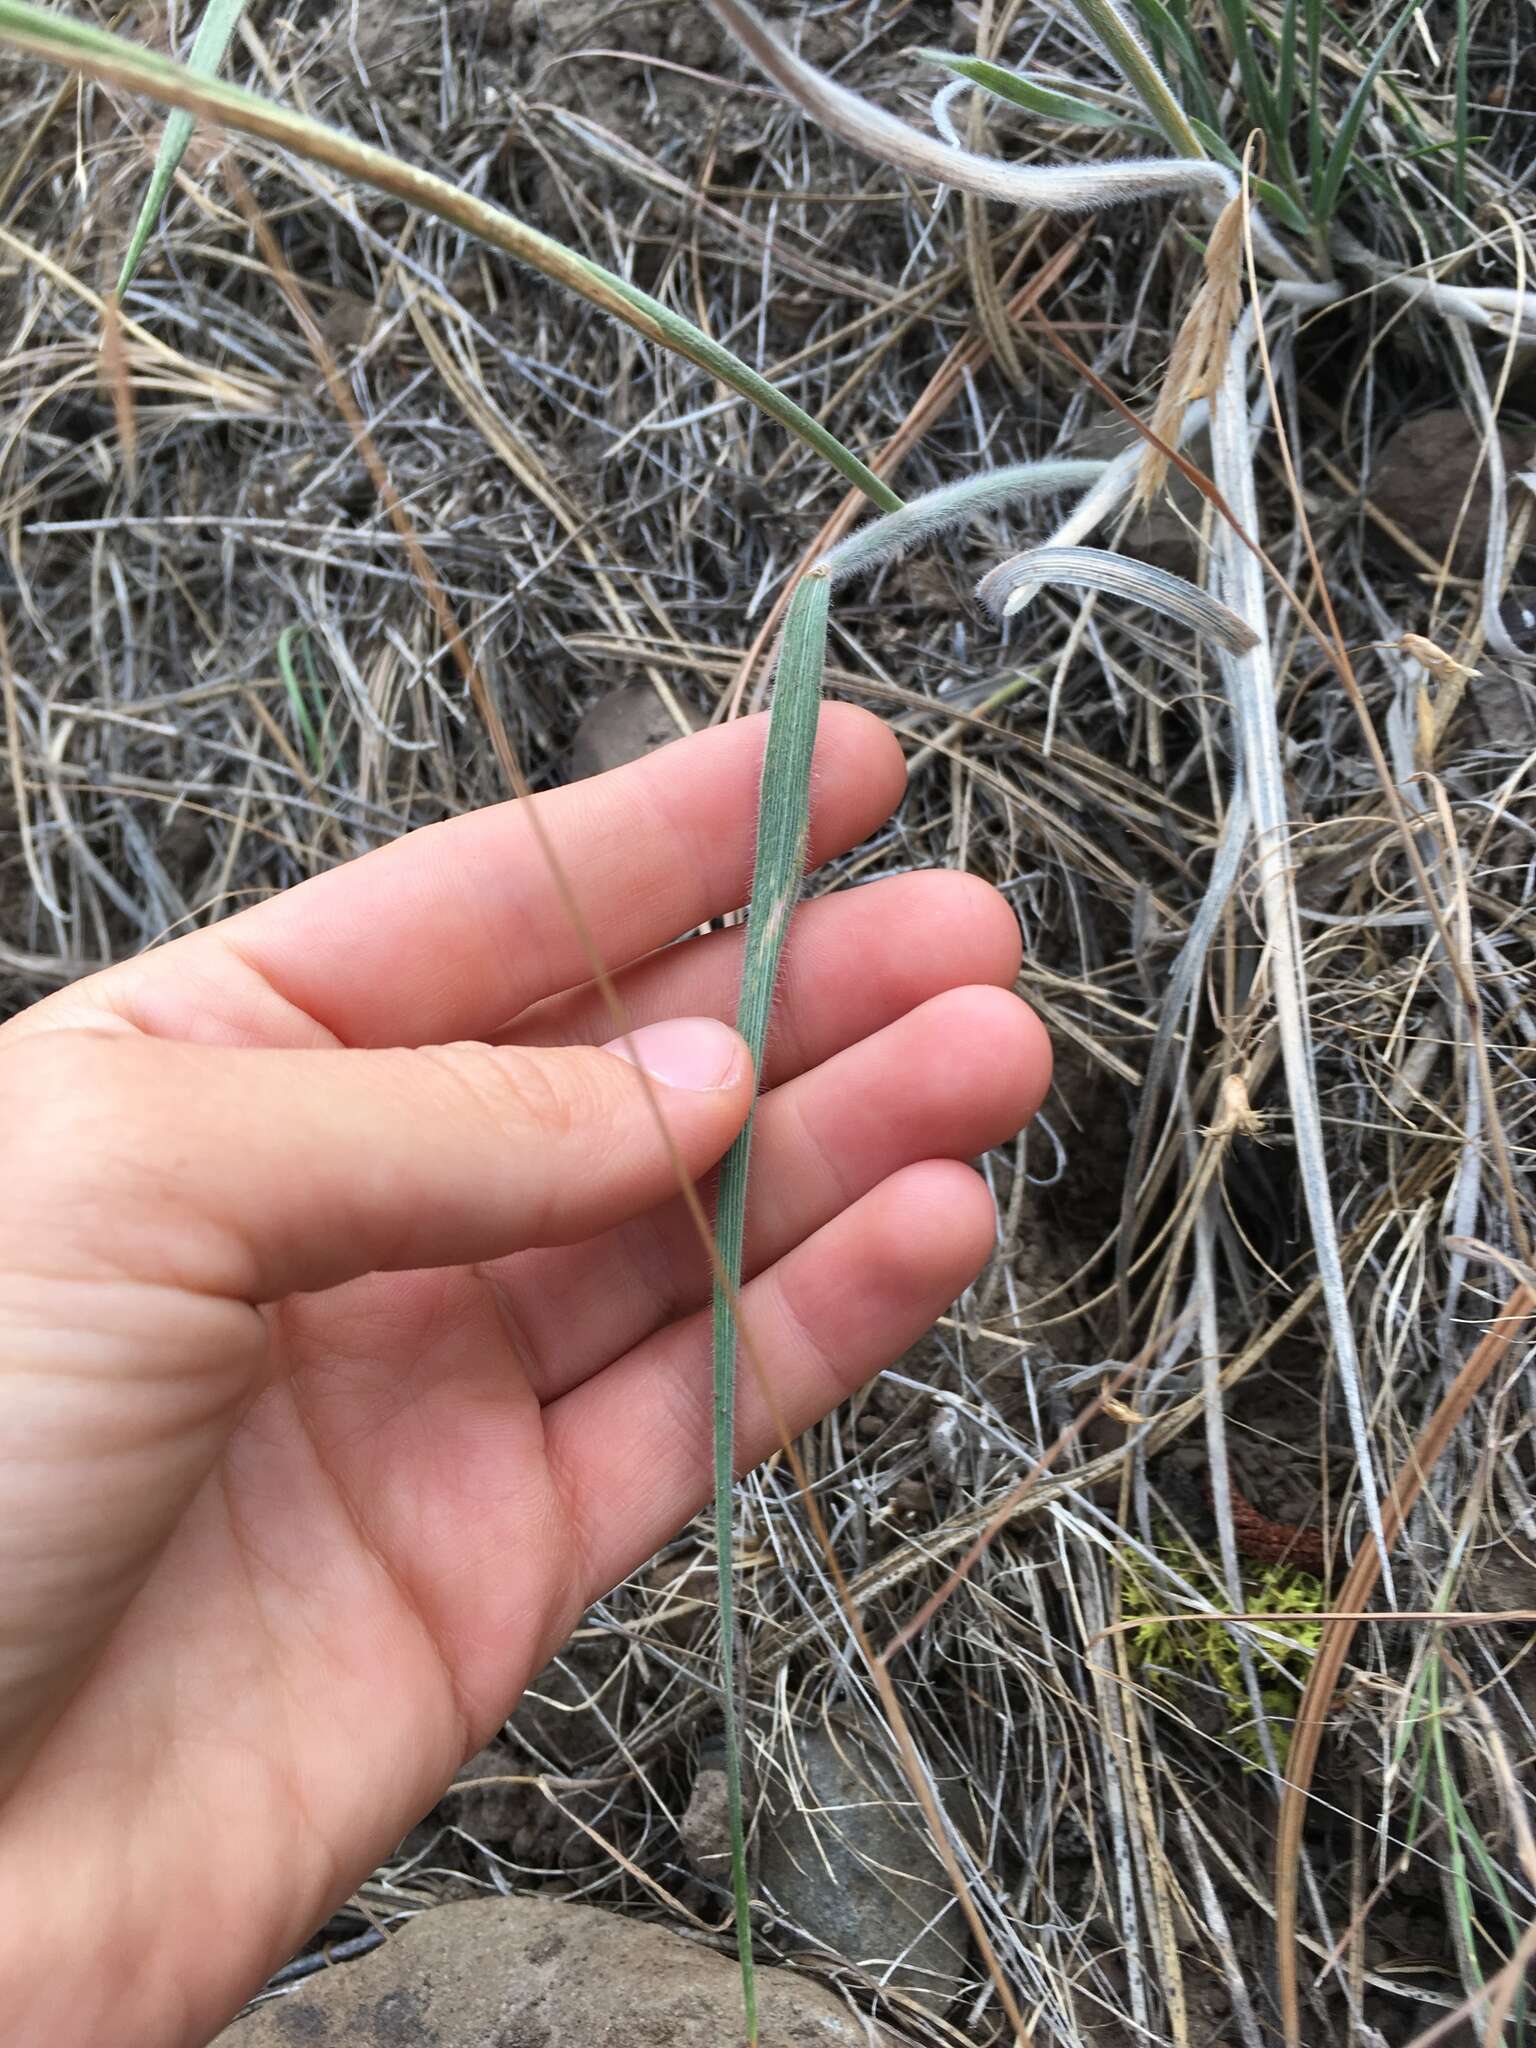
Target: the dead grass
pixel 221 675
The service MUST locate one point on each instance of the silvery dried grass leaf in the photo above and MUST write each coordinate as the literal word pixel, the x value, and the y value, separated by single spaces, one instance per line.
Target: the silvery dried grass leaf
pixel 1499 308
pixel 1250 680
pixel 1009 587
pixel 1054 188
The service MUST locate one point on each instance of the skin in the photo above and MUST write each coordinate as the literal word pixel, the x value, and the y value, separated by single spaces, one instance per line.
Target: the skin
pixel 356 1338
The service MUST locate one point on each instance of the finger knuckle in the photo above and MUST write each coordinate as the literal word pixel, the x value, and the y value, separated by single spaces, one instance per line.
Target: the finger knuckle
pixel 521 1093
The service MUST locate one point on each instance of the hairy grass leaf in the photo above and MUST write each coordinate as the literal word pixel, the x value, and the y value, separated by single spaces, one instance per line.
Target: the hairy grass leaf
pixel 220 19
pixel 878 540
pixel 1057 188
pixel 1167 29
pixel 782 820
pixel 1113 31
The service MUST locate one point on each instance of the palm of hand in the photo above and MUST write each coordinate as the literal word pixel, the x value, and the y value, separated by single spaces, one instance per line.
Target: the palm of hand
pixel 433 1471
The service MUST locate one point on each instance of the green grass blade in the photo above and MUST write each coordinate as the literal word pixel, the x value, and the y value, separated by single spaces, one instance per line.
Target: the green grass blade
pixel 220 19
pixel 1314 31
pixel 1325 196
pixel 1217 145
pixel 1021 91
pixel 1285 84
pixel 1262 108
pixel 783 815
pixel 295 692
pixel 1284 208
pixel 59 39
pixel 1132 59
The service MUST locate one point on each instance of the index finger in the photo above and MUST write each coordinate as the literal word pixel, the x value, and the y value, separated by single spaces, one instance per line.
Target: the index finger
pixel 453 930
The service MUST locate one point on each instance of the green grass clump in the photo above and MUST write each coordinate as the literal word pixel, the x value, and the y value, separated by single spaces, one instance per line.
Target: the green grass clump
pixel 1167 1650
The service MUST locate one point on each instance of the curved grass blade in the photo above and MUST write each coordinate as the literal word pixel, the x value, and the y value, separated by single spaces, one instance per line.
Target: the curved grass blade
pixel 59 39
pixel 1055 188
pixel 220 19
pixel 1010 586
pixel 782 818
pixel 295 691
pixel 1020 91
pixel 878 540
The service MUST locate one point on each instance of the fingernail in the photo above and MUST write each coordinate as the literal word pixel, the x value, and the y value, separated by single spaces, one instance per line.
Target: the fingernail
pixel 685 1052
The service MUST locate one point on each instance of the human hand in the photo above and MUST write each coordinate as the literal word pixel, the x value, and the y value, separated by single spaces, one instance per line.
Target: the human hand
pixel 356 1337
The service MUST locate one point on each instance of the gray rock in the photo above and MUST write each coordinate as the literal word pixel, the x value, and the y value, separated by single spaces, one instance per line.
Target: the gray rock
pixel 619 728
pixel 847 1859
pixel 706 1826
pixel 1425 471
pixel 538 1973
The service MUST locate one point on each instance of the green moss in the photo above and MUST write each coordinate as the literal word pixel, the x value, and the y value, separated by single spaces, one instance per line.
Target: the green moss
pixel 1164 1651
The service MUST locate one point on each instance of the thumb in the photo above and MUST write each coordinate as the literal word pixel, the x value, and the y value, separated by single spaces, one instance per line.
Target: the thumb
pixel 155 1191
pixel 254 1173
